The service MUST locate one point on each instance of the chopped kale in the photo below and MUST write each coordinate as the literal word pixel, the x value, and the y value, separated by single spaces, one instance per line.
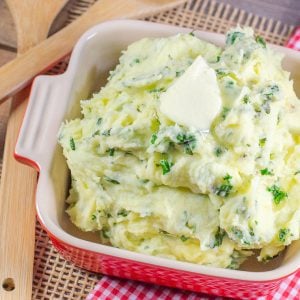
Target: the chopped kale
pixel 179 73
pixel 246 99
pixel 283 234
pixel 93 217
pixel 166 166
pixel 157 90
pixel 188 141
pixel 111 180
pixel 267 258
pixel 262 142
pixel 218 151
pixel 97 132
pixel 105 233
pixel 266 171
pixel 72 144
pixel 163 231
pixel 123 212
pixel 260 40
pixel 233 36
pixel 269 91
pixel 192 227
pixel 221 73
pixel 219 237
pixel 106 132
pixel 224 112
pixel 184 238
pixel 111 151
pixel 237 232
pixel 153 138
pixel 99 121
pixel 224 189
pixel 278 195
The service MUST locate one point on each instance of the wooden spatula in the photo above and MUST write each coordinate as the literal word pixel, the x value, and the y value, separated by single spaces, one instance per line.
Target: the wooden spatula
pixel 33 19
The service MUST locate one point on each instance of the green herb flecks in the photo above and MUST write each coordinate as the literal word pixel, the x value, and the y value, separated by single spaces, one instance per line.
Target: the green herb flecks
pixel 97 132
pixel 245 99
pixel 184 238
pixel 278 194
pixel 297 172
pixel 192 33
pixel 221 73
pixel 269 91
pixel 153 138
pixel 123 212
pixel 266 171
pixel 219 237
pixel 188 141
pixel 111 151
pixel 283 234
pixel 262 142
pixel 99 121
pixel 111 180
pixel 157 90
pixel 72 144
pixel 164 232
pixel 166 166
pixel 192 227
pixel 260 40
pixel 179 73
pixel 267 258
pixel 232 37
pixel 93 217
pixel 106 132
pixel 225 112
pixel 218 151
pixel 106 233
pixel 237 232
pixel 224 189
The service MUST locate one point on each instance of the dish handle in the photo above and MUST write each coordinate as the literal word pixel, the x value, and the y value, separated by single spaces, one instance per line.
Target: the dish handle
pixel 39 122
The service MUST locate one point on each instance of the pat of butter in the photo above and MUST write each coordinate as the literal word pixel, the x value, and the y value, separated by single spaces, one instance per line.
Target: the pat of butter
pixel 194 99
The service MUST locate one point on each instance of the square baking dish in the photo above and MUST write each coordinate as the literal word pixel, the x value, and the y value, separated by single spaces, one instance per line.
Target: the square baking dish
pixel 56 98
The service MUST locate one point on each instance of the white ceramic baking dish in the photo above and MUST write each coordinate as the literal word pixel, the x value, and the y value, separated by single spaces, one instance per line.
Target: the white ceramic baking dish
pixel 55 98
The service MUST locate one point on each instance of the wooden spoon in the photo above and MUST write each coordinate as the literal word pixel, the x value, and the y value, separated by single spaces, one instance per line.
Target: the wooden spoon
pixel 33 19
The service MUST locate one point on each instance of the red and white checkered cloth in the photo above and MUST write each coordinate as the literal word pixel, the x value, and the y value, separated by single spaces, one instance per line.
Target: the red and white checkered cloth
pixel 294 41
pixel 112 288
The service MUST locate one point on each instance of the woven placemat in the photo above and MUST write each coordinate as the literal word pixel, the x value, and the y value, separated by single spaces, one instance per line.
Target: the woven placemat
pixel 55 278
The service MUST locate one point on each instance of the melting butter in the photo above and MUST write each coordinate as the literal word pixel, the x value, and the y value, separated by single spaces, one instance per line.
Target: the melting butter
pixel 194 99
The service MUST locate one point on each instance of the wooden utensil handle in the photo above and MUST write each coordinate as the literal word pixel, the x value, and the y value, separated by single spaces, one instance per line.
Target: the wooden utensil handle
pixel 19 72
pixel 17 238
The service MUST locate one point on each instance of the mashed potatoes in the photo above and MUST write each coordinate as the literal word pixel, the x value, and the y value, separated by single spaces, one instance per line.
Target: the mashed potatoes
pixel 150 185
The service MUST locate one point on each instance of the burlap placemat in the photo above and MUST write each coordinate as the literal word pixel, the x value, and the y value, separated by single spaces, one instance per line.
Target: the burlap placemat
pixel 55 278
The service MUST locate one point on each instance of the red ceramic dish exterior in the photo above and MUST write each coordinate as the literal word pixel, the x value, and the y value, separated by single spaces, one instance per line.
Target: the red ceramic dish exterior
pixel 119 267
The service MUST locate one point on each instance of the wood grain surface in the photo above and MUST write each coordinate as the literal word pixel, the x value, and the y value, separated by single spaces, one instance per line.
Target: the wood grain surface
pixel 33 19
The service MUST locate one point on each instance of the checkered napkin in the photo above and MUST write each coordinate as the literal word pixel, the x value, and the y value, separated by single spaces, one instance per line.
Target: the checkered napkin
pixel 112 288
pixel 294 41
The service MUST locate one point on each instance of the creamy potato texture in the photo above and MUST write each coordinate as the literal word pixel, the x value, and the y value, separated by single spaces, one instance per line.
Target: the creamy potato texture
pixel 150 185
